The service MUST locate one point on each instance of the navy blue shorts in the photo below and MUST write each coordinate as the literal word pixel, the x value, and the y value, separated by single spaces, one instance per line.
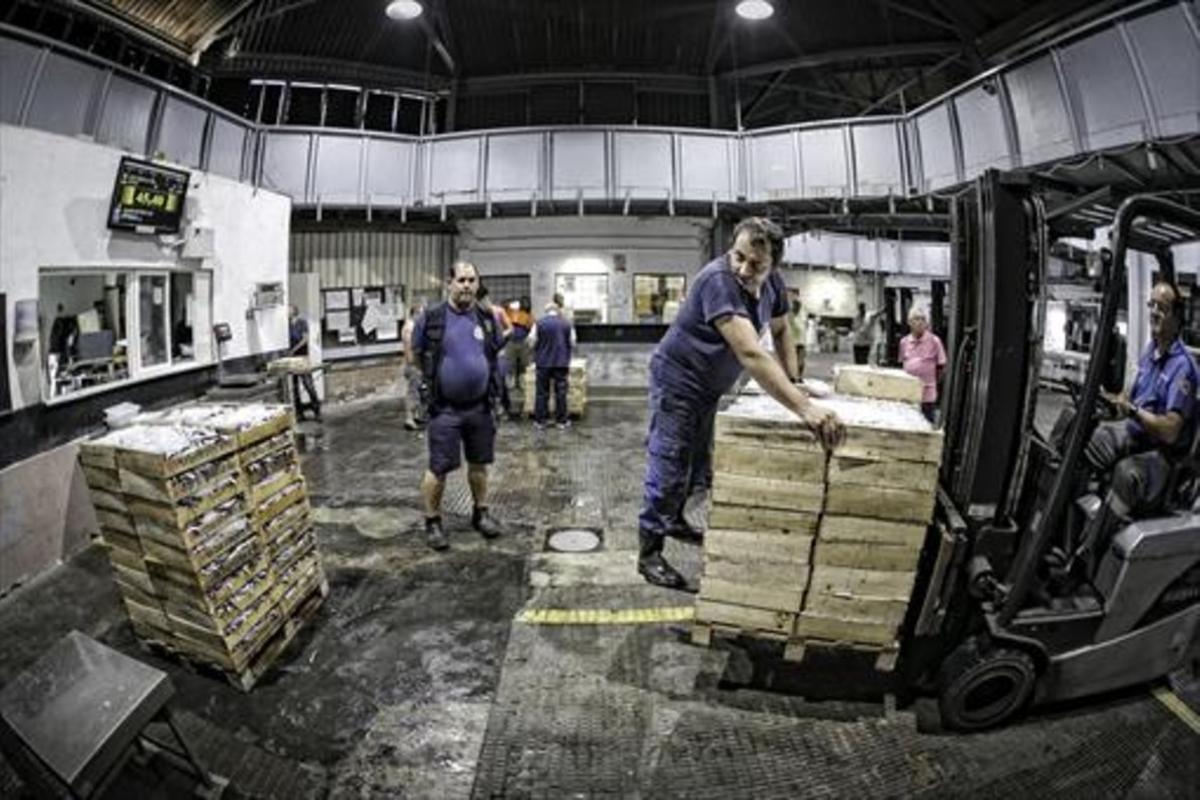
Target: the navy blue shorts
pixel 453 432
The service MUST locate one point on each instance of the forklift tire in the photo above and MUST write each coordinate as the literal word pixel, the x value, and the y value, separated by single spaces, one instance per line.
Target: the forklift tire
pixel 981 686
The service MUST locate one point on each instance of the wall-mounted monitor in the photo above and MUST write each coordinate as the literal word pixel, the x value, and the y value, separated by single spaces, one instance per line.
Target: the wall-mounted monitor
pixel 147 198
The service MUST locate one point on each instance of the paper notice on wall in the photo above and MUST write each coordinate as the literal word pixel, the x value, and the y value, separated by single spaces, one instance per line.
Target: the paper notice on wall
pixel 336 300
pixel 356 296
pixel 337 320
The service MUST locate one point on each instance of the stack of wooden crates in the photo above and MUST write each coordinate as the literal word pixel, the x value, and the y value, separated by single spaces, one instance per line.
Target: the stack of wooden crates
pixel 808 547
pixel 576 389
pixel 205 516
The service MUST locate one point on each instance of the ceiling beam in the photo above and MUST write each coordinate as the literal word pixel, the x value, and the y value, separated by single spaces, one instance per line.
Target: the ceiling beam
pixel 1047 18
pixel 132 27
pixel 757 102
pixel 920 76
pixel 328 70
pixel 442 16
pixel 670 81
pixel 849 54
pixel 909 11
pixel 217 29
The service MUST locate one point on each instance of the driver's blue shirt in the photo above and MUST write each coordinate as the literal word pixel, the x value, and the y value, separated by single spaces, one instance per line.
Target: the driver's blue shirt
pixel 1166 383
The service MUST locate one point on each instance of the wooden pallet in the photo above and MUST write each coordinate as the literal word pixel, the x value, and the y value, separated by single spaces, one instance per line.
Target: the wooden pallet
pixel 703 633
pixel 885 655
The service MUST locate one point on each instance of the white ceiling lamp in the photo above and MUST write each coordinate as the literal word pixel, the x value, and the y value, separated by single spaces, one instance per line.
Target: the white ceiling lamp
pixel 754 9
pixel 404 9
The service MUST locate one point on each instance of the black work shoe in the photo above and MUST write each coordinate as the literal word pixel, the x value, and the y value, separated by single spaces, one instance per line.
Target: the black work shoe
pixel 686 533
pixel 486 524
pixel 655 569
pixel 435 537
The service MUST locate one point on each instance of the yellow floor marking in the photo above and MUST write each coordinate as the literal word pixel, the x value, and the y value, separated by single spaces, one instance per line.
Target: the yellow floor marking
pixel 1178 707
pixel 606 616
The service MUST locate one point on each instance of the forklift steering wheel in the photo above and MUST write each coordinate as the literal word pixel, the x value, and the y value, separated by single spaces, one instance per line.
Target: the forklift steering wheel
pixel 1104 408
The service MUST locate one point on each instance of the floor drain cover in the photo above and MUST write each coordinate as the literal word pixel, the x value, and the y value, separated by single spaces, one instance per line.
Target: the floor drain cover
pixel 574 540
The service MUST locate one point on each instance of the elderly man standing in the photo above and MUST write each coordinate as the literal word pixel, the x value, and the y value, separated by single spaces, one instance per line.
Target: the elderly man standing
pixel 552 339
pixel 457 343
pixel 923 357
pixel 714 338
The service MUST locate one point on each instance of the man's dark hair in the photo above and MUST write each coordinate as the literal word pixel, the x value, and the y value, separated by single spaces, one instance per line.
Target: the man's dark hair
pixel 482 292
pixel 763 233
pixel 453 273
pixel 558 300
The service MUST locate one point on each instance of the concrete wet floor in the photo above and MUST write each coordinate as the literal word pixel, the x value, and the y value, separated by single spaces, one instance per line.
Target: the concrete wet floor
pixel 416 680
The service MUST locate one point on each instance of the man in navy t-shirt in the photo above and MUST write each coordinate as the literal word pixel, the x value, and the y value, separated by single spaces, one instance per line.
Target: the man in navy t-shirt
pixel 1159 424
pixel 552 339
pixel 714 337
pixel 456 342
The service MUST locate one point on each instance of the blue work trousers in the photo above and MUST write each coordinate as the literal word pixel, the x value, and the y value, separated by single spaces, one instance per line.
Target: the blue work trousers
pixel 678 455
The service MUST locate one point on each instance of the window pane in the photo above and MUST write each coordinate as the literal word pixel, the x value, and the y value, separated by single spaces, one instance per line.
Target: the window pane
pixel 183 315
pixel 82 330
pixel 656 298
pixel 585 296
pixel 152 319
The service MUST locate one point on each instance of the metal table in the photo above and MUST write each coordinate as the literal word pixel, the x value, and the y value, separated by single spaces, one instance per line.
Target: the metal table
pixel 70 720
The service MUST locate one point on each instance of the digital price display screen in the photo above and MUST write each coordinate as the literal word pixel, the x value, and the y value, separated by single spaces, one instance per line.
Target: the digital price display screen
pixel 148 198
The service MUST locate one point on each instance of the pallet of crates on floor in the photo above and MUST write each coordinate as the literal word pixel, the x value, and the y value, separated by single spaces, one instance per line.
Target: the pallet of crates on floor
pixel 768 492
pixel 881 485
pixel 577 390
pixel 118 537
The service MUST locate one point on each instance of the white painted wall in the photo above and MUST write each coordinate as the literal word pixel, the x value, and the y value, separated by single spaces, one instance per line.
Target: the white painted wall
pixel 541 247
pixel 54 198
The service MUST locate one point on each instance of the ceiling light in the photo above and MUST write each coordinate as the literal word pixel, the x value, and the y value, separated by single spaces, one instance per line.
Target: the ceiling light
pixel 404 9
pixel 754 9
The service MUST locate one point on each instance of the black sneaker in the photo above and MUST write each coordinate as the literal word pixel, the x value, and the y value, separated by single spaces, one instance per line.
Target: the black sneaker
pixel 486 524
pixel 686 533
pixel 435 537
pixel 655 569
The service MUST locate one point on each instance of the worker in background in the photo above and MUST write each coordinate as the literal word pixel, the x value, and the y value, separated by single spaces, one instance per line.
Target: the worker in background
pixel 414 408
pixel 923 356
pixel 796 325
pixel 506 329
pixel 298 346
pixel 516 352
pixel 458 343
pixel 552 340
pixel 671 306
pixel 864 333
pixel 1158 426
pixel 714 338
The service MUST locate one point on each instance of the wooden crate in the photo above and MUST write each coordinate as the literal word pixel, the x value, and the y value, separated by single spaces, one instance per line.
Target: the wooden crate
pixel 194 533
pixel 735 490
pixel 882 502
pixel 756 569
pixel 760 622
pixel 576 389
pixel 177 516
pixel 155 451
pixel 732 516
pixel 289 494
pixel 184 488
pixel 880 383
pixel 245 423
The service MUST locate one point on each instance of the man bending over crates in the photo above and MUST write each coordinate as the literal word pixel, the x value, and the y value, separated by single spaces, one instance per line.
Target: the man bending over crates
pixel 457 343
pixel 714 337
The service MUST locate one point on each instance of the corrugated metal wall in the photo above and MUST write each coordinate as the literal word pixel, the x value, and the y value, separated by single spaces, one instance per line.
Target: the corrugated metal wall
pixel 373 258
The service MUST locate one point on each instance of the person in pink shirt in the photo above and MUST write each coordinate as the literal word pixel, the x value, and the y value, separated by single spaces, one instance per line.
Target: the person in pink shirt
pixel 924 357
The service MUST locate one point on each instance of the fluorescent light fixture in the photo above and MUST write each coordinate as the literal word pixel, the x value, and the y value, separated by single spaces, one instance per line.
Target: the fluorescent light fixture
pixel 404 9
pixel 754 9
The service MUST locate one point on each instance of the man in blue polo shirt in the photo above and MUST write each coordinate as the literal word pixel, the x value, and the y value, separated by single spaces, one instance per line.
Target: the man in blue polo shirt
pixel 1158 428
pixel 552 338
pixel 714 337
pixel 457 343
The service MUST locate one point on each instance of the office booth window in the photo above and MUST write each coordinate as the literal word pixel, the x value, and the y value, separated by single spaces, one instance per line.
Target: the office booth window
pixel 585 296
pixel 100 327
pixel 656 297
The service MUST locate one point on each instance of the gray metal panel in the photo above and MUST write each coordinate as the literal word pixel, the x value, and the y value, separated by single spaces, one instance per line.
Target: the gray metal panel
pixel 454 168
pixel 982 131
pixel 579 164
pixel 934 136
pixel 877 160
pixel 1043 129
pixel 389 180
pixel 773 167
pixel 64 95
pixel 823 161
pixel 372 258
pixel 339 168
pixel 1167 47
pixel 514 166
pixel 643 164
pixel 181 136
pixel 706 167
pixel 226 147
pixel 17 63
pixel 1104 91
pixel 285 164
pixel 125 118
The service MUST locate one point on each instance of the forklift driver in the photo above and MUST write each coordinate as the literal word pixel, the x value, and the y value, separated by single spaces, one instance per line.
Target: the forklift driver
pixel 1157 430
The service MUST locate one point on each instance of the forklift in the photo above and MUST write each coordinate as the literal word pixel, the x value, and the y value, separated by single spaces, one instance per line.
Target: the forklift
pixel 996 625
